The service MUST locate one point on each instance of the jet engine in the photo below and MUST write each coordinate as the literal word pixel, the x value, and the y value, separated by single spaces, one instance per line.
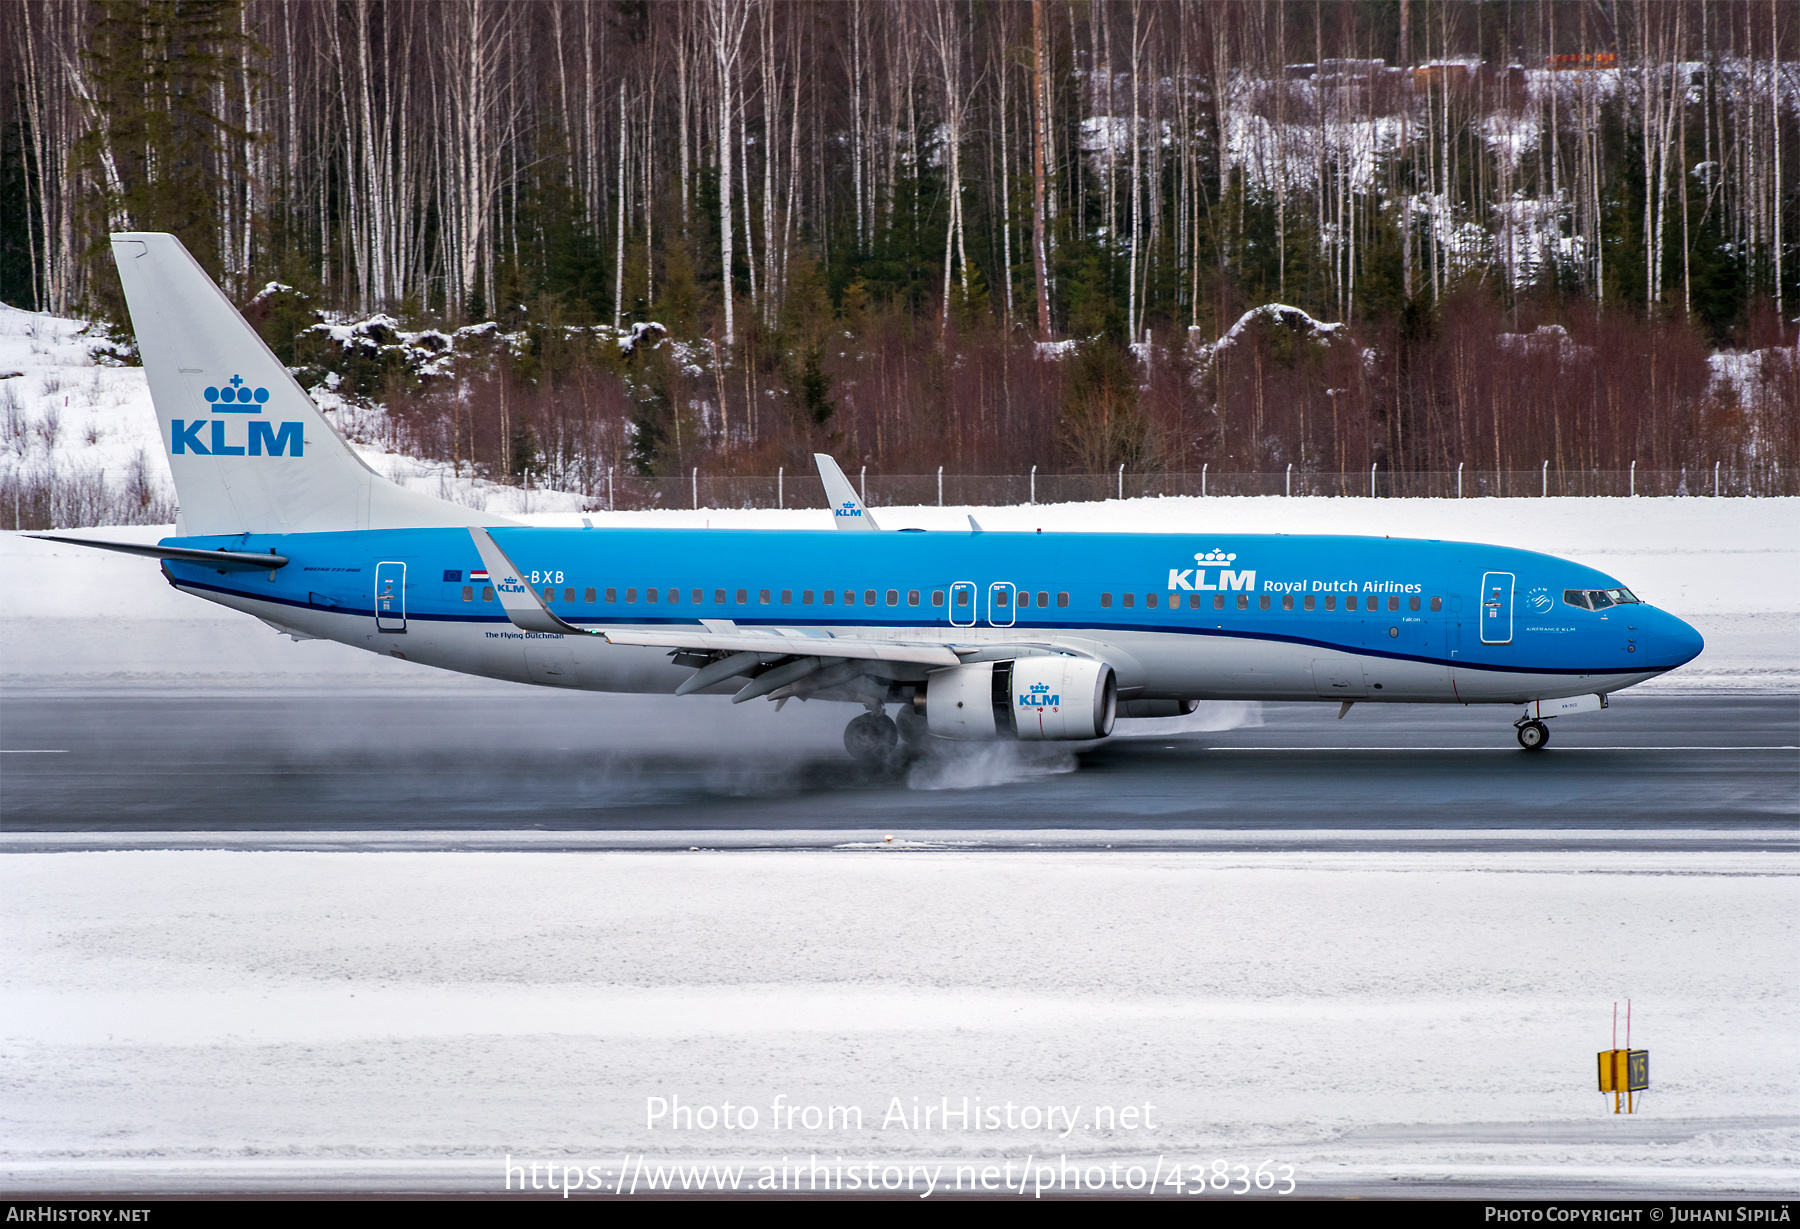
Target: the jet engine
pixel 1032 699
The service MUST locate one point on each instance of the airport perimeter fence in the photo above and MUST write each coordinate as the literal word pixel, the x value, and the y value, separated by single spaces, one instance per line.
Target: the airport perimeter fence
pixel 697 489
pixel 37 499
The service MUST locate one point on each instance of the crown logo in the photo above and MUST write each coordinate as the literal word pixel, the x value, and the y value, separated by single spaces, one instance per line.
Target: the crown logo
pixel 1039 688
pixel 236 391
pixel 1215 556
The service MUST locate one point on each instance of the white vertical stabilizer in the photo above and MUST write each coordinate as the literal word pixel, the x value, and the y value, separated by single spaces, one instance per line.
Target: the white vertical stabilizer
pixel 250 451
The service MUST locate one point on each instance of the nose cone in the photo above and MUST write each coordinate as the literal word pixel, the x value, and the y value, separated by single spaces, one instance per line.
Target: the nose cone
pixel 1677 642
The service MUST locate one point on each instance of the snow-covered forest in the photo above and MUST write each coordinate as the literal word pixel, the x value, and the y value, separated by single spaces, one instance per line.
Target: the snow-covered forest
pixel 545 241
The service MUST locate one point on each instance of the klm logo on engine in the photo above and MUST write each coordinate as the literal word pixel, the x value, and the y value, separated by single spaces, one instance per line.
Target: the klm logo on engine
pixel 214 437
pixel 1040 697
pixel 1229 577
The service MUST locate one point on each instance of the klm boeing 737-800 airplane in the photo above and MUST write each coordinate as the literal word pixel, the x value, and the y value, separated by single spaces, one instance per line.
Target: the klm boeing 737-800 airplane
pixel 964 636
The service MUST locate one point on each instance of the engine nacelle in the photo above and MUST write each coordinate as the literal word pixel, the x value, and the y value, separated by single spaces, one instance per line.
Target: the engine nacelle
pixel 1032 699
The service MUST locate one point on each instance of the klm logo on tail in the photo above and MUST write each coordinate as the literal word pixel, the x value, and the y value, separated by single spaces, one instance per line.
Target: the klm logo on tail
pixel 260 438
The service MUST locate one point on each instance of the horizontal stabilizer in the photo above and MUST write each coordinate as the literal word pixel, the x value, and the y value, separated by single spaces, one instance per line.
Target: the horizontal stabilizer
pixel 223 560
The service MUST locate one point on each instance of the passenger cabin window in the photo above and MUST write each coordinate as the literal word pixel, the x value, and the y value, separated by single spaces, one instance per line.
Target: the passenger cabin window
pixel 1394 603
pixel 630 596
pixel 1312 602
pixel 743 597
pixel 1350 602
pixel 549 595
pixel 893 597
pixel 1437 603
pixel 1243 601
pixel 568 595
pixel 1024 599
pixel 588 597
pixel 912 597
pixel 763 596
pixel 787 597
pixel 830 596
pixel 1129 599
pixel 868 597
pixel 1149 601
pixel 1218 601
pixel 937 597
pixel 612 595
pixel 849 597
pixel 1193 601
pixel 1062 600
pixel 697 596
pixel 1263 602
pixel 1287 601
pixel 806 597
pixel 469 593
pixel 1330 601
pixel 487 593
pixel 649 595
pixel 719 596
pixel 1106 601
pixel 1043 598
pixel 674 596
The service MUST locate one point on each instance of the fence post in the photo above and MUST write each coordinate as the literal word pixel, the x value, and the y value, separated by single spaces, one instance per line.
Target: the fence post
pixel 1545 494
pixel 1634 480
pixel 1033 498
pixel 1121 481
pixel 1203 466
pixel 609 490
pixel 1290 480
pixel 1715 479
pixel 865 486
pixel 696 488
pixel 940 486
pixel 780 496
pixel 1459 466
pixel 1372 478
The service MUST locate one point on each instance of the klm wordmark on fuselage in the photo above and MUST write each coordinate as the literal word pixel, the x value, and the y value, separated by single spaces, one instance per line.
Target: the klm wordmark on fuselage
pixel 971 635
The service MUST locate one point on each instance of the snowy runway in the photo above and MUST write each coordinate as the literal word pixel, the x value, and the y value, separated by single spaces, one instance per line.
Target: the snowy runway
pixel 220 1018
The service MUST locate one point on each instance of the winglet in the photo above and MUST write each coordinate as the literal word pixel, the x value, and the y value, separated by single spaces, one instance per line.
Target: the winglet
pixel 975 526
pixel 520 601
pixel 846 509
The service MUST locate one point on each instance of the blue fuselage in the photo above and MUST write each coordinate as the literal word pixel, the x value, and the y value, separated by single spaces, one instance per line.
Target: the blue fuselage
pixel 1195 616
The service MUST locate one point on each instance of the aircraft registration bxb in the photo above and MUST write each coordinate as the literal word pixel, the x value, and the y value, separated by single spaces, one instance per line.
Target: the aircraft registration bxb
pixel 977 635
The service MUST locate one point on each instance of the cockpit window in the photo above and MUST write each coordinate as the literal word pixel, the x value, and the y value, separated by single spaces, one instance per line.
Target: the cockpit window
pixel 1599 599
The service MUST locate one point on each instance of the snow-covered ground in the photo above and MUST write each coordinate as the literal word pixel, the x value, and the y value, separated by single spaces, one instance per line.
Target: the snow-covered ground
pixel 228 1018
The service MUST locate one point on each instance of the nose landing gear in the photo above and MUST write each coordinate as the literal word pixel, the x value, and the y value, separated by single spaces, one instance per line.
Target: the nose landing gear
pixel 1533 735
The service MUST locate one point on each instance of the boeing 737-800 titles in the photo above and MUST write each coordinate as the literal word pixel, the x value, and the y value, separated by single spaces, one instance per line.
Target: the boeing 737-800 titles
pixel 963 635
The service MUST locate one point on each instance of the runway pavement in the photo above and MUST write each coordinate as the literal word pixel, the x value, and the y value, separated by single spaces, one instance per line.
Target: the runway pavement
pixel 501 758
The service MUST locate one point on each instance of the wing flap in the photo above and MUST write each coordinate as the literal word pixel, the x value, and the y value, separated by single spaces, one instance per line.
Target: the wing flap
pixel 786 642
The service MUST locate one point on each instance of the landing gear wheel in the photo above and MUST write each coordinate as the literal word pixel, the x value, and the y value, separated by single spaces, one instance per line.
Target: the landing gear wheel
pixel 1534 735
pixel 914 730
pixel 870 739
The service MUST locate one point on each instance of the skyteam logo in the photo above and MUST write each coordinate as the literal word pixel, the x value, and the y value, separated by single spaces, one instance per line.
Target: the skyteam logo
pixel 259 438
pixel 1221 563
pixel 1041 697
pixel 849 508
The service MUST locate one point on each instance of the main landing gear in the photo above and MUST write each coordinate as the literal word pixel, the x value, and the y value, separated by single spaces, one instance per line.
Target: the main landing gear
pixel 871 738
pixel 1533 735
